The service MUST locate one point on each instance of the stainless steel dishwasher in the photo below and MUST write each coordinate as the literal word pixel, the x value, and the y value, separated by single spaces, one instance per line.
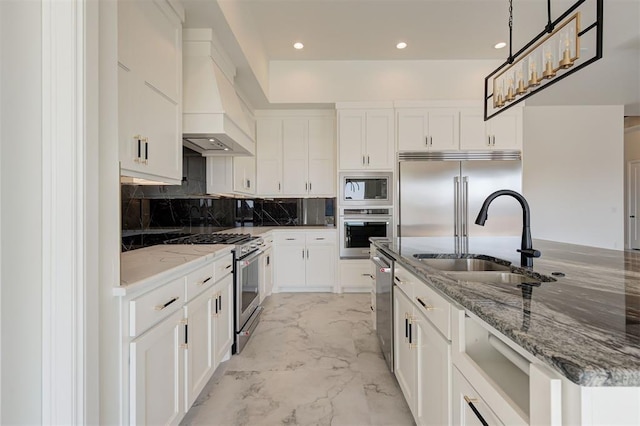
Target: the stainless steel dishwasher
pixel 384 304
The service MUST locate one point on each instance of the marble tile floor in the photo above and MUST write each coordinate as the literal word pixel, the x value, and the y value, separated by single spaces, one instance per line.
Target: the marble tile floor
pixel 314 360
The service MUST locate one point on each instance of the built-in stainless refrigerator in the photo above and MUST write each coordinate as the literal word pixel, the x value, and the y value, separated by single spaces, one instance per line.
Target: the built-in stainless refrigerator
pixel 440 195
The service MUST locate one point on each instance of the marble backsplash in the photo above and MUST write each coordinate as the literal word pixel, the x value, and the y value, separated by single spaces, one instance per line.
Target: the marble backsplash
pixel 153 214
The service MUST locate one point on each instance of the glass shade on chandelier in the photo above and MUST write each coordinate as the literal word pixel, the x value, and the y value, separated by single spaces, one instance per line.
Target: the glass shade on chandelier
pixel 556 52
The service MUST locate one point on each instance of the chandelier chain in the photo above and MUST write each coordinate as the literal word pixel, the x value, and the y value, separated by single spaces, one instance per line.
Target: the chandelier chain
pixel 510 31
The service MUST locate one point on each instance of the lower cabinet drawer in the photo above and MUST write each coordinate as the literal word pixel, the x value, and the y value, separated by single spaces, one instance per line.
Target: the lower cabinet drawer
pixel 468 407
pixel 200 279
pixel 434 307
pixel 151 307
pixel 404 281
pixel 223 267
pixel 286 238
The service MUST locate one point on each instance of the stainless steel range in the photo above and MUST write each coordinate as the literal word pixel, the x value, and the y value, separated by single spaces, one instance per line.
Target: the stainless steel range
pixel 246 278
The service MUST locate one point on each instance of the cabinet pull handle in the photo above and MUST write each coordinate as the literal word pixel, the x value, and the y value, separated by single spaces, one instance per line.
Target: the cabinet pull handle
pixel 426 140
pixel 161 307
pixel 470 401
pixel 493 140
pixel 363 160
pixel 410 333
pixel 309 186
pixel 371 307
pixel 220 301
pixel 430 141
pixel 307 253
pixel 279 187
pixel 306 186
pixel 139 156
pixel 205 281
pixel 290 239
pixel 303 253
pixel 398 280
pixel 146 151
pixel 228 266
pixel 489 140
pixel 406 326
pixel 320 238
pixel 368 160
pixel 424 305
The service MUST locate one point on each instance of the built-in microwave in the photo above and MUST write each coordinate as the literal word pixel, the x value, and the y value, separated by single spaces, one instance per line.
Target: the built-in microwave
pixel 366 189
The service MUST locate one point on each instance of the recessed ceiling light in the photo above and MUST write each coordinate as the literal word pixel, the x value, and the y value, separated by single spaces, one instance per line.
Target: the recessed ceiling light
pixel 500 45
pixel 212 140
pixel 298 45
pixel 401 45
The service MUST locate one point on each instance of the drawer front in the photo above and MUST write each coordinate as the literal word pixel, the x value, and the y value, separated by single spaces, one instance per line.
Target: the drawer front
pixel 468 407
pixel 404 281
pixel 321 237
pixel 434 307
pixel 152 307
pixel 200 279
pixel 223 267
pixel 290 238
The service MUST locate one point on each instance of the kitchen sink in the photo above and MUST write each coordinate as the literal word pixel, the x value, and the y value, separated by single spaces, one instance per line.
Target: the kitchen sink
pixel 494 277
pixel 462 264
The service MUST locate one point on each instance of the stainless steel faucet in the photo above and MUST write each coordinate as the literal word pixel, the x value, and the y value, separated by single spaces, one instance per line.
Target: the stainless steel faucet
pixel 527 252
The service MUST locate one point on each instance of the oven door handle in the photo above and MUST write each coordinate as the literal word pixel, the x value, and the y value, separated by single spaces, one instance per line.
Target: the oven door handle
pixel 252 256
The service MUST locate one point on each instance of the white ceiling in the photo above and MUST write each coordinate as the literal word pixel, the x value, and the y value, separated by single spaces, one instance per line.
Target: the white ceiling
pixel 370 29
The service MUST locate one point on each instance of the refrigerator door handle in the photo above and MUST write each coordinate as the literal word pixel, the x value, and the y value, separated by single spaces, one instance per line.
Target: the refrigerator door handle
pixel 465 214
pixel 456 206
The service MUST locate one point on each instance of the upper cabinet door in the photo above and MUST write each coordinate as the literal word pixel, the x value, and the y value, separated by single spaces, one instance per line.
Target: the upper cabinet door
pixel 444 129
pixel 506 130
pixel 379 140
pixel 472 130
pixel 412 130
pixel 428 129
pixel 322 156
pixel 295 148
pixel 269 157
pixel 351 139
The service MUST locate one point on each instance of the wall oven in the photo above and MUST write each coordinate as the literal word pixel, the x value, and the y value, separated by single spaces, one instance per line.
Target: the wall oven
pixel 357 225
pixel 366 189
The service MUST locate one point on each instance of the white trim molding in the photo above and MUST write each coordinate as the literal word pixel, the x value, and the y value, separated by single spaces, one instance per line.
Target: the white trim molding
pixel 69 131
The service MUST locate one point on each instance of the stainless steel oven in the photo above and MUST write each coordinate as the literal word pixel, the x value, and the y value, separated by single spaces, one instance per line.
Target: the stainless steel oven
pixel 357 225
pixel 247 298
pixel 366 189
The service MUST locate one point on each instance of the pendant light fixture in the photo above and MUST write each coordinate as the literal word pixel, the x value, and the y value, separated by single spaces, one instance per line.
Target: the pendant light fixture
pixel 561 49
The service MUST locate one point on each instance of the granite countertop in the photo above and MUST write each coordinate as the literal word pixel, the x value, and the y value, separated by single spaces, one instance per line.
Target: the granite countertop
pixel 585 325
pixel 151 264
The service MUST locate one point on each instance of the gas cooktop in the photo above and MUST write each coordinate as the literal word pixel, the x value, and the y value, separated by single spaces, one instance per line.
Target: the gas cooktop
pixel 224 238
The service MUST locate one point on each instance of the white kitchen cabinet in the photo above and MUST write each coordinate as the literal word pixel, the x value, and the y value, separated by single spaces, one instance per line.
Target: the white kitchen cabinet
pixel 222 314
pixel 231 175
pixel 428 129
pixel 468 407
pixel 366 139
pixel 199 356
pixel 296 155
pixel 157 373
pixel 504 131
pixel 269 156
pixel 267 274
pixel 433 376
pixel 244 175
pixel 356 275
pixel 405 356
pixel 422 354
pixel 305 261
pixel 150 90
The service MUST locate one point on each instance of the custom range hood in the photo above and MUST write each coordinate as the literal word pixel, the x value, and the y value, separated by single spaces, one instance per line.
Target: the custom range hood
pixel 213 121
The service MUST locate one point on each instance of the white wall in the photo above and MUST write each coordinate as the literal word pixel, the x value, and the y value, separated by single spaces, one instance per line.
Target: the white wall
pixel 573 162
pixel 344 81
pixel 21 222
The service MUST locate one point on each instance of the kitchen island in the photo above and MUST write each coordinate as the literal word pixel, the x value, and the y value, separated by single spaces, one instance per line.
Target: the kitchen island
pixel 583 322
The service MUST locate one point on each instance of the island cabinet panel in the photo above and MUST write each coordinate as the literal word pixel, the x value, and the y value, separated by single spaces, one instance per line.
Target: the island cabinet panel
pixel 468 406
pixel 405 359
pixel 199 356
